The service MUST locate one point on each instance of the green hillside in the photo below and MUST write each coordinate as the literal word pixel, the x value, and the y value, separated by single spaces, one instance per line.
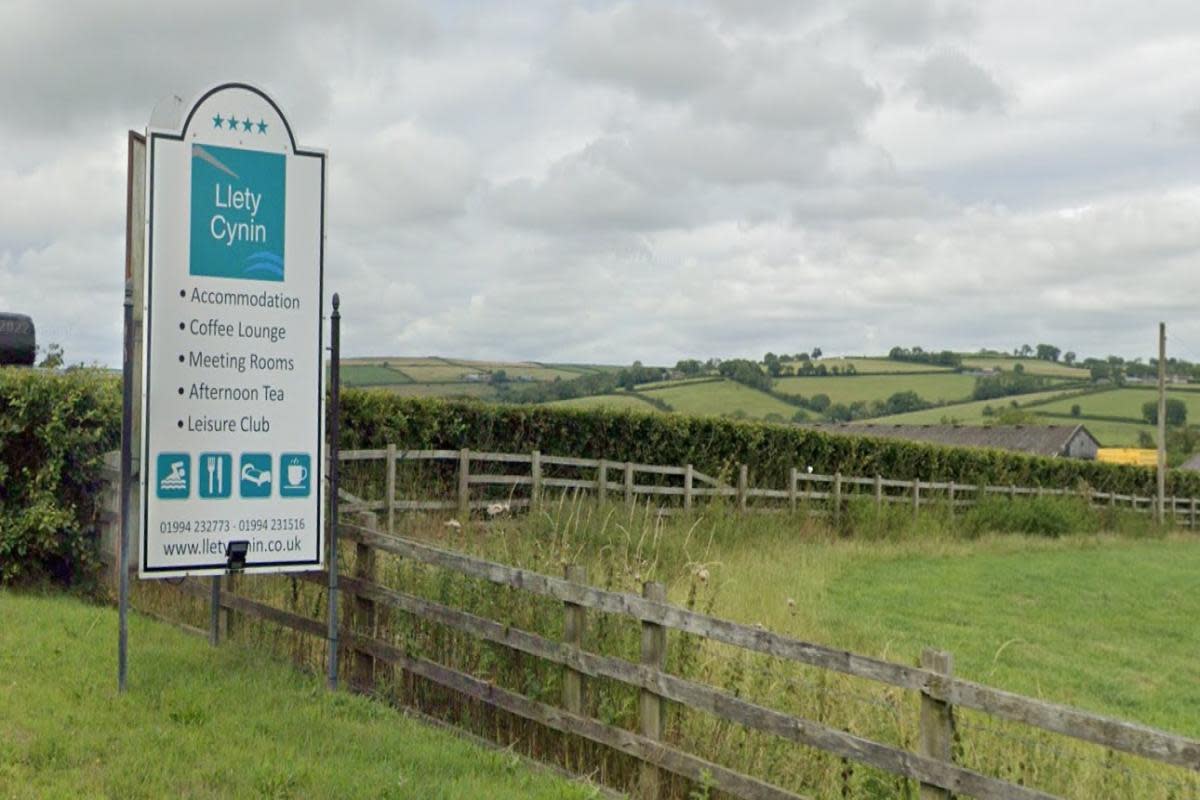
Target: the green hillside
pixel 1031 365
pixel 934 387
pixel 722 398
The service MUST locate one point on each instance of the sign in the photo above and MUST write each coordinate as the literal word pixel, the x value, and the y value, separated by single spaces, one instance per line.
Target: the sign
pixel 233 376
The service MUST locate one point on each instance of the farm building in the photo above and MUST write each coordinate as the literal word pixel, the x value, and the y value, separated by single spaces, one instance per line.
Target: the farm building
pixel 1067 441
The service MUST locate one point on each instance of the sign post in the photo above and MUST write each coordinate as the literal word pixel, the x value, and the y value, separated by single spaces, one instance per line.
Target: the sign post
pixel 233 363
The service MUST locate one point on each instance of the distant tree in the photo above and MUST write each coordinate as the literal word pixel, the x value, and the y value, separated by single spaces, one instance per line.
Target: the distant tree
pixel 1100 371
pixel 1026 351
pixel 840 412
pixel 819 403
pixel 774 416
pixel 1176 412
pixel 1019 369
pixel 745 372
pixel 1047 352
pixel 1076 410
pixel 773 364
pixel 800 416
pixel 689 367
pixel 1069 357
pixel 1145 440
pixel 52 357
pixel 816 353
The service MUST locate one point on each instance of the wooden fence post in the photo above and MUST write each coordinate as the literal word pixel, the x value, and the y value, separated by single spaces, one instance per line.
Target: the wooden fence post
pixel 743 481
pixel 391 488
pixel 937 721
pixel 363 620
pixel 951 497
pixel 687 487
pixel 837 498
pixel 230 616
pixel 602 481
pixel 1012 491
pixel 792 478
pixel 573 623
pixel 1192 514
pixel 628 483
pixel 464 484
pixel 652 710
pixel 916 496
pixel 878 492
pixel 535 469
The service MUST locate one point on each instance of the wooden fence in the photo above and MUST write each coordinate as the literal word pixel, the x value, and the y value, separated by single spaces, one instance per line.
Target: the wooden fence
pixel 681 486
pixel 940 692
pixel 933 765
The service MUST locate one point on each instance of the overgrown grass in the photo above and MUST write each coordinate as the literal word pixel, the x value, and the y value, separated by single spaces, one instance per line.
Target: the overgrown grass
pixel 1092 609
pixel 204 723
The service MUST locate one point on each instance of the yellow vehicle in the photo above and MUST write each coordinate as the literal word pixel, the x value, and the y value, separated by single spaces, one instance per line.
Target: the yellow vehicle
pixel 1134 456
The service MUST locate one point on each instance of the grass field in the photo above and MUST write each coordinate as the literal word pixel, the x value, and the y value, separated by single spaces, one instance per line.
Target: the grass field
pixel 868 366
pixel 371 375
pixel 1123 403
pixel 935 388
pixel 965 413
pixel 203 723
pixel 725 397
pixel 1032 365
pixel 620 402
pixel 1099 620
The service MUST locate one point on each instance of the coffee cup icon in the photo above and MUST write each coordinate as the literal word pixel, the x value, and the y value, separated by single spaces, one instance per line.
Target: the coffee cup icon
pixel 297 473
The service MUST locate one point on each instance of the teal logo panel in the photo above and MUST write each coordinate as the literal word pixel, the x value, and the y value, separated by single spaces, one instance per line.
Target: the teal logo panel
pixel 237 213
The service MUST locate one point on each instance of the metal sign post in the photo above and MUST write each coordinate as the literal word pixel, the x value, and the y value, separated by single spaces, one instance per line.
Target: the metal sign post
pixel 335 401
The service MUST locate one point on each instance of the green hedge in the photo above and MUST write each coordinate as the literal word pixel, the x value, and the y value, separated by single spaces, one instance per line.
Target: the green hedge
pixel 55 427
pixel 54 430
pixel 375 418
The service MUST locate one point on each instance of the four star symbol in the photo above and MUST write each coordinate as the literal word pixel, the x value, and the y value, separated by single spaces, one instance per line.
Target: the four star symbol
pixel 247 124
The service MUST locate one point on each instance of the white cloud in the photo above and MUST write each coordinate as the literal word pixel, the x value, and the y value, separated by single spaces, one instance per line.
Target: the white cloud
pixel 616 180
pixel 948 79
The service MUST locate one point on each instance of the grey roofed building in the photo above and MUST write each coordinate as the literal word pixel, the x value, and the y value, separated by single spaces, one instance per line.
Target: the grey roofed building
pixel 1067 441
pixel 1193 463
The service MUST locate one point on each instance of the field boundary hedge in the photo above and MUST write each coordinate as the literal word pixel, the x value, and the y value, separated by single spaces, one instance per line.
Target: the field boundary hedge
pixel 55 428
pixel 374 419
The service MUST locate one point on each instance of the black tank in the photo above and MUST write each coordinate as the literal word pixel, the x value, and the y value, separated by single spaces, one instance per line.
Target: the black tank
pixel 17 343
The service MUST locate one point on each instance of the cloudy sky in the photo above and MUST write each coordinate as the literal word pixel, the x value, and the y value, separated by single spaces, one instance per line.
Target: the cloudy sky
pixel 599 181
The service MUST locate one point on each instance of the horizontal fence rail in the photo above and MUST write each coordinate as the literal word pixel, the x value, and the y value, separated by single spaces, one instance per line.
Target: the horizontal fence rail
pixel 933 765
pixel 937 688
pixel 609 477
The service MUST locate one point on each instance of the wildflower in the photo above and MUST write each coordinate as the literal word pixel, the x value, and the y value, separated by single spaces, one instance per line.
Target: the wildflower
pixel 453 523
pixel 496 509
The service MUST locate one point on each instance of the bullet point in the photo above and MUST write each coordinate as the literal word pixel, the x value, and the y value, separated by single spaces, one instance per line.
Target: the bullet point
pixel 181 423
pixel 181 390
pixel 181 359
pixel 181 326
pixel 183 293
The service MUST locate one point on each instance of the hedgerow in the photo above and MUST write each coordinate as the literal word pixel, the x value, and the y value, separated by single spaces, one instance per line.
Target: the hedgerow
pixel 713 445
pixel 55 428
pixel 54 431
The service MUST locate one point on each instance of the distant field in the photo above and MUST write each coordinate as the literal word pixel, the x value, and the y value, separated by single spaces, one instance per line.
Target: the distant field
pixel 680 382
pixel 965 413
pixel 612 401
pixel 866 365
pixel 1032 365
pixel 948 386
pixel 1123 403
pixel 371 375
pixel 725 397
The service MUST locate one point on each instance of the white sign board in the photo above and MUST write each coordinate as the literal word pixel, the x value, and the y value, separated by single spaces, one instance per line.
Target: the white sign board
pixel 234 379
